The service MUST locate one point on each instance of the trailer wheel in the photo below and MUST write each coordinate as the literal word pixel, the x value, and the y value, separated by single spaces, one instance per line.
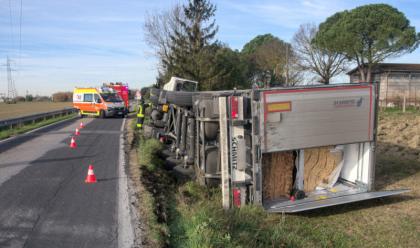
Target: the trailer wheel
pixel 210 130
pixel 156 115
pixel 212 167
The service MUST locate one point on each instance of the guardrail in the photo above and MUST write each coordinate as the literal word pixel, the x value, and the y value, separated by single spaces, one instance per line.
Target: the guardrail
pixel 19 121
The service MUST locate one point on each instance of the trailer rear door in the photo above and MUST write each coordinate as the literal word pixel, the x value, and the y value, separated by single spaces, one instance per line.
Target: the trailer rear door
pixel 300 118
pixel 320 116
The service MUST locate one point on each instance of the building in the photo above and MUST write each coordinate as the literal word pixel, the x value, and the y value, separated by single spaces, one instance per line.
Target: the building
pixel 397 81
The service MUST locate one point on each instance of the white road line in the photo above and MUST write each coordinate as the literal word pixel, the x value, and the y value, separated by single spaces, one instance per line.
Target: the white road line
pixel 125 227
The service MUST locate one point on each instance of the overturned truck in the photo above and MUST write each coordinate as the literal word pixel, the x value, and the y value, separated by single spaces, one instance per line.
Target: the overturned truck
pixel 287 149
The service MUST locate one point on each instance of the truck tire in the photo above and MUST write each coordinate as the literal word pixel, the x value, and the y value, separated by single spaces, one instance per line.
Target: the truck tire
pixel 156 115
pixel 212 166
pixel 210 130
pixel 79 113
pixel 102 114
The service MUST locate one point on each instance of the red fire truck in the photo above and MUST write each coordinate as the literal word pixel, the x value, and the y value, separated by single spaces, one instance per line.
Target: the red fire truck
pixel 122 90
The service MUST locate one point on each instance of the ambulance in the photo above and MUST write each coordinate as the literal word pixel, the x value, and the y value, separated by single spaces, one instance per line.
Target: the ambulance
pixel 102 102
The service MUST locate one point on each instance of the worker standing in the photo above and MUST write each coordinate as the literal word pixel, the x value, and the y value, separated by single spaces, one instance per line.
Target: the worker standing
pixel 140 113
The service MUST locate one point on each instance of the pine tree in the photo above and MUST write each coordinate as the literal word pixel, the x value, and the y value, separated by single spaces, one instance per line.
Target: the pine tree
pixel 198 29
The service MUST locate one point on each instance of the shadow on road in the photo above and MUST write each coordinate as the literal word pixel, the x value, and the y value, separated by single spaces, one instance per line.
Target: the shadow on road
pixel 40 161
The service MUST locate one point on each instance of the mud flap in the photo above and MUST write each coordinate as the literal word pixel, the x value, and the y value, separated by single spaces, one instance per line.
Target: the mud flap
pixel 320 202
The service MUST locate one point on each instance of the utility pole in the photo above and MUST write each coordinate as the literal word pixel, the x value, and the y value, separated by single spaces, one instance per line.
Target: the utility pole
pixel 287 65
pixel 11 89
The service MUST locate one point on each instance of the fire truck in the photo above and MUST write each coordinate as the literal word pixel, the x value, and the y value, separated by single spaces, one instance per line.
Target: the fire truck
pixel 123 91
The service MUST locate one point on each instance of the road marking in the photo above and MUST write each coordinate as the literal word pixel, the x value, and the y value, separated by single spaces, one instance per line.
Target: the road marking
pixel 125 227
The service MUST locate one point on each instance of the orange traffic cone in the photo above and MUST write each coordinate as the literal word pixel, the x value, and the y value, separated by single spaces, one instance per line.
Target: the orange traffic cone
pixel 81 125
pixel 73 143
pixel 77 133
pixel 90 178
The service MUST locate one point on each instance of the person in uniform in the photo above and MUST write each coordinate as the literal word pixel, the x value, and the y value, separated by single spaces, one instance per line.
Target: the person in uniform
pixel 140 113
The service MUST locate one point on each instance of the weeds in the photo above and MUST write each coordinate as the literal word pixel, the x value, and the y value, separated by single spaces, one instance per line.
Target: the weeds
pixel 149 150
pixel 155 185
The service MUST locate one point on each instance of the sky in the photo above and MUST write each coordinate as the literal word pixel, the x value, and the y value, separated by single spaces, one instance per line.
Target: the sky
pixel 80 43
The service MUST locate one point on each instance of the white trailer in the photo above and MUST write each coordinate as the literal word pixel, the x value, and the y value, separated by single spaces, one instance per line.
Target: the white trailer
pixel 286 149
pixel 326 132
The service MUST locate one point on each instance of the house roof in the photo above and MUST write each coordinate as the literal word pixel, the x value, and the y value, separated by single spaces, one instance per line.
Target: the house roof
pixel 391 67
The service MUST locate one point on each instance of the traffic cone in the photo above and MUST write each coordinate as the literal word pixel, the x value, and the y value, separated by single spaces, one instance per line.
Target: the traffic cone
pixel 81 125
pixel 77 133
pixel 73 143
pixel 90 178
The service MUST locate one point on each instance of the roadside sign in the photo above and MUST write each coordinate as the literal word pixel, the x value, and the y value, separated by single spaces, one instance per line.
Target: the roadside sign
pixel 138 95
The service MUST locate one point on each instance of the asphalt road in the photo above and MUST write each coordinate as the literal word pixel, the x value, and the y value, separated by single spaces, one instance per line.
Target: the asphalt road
pixel 44 201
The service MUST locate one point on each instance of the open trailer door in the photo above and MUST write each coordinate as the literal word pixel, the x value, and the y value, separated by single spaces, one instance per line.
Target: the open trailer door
pixel 323 201
pixel 319 142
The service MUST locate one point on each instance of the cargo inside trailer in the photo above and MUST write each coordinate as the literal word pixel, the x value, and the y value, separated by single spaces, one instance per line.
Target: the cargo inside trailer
pixel 311 175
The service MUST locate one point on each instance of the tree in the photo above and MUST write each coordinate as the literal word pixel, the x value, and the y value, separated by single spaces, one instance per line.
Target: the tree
pixel 226 68
pixel 196 33
pixel 29 98
pixel 158 30
pixel 271 61
pixel 315 59
pixel 368 35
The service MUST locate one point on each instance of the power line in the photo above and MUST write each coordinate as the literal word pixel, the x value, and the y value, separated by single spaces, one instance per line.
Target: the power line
pixel 20 34
pixel 11 22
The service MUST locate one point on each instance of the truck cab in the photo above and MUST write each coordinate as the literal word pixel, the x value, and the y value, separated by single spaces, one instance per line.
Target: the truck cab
pixel 180 84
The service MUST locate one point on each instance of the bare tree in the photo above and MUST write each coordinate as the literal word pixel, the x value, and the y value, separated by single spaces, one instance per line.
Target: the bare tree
pixel 322 62
pixel 158 30
pixel 276 63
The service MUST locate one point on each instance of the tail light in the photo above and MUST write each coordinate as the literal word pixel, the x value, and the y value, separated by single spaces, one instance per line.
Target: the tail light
pixel 236 197
pixel 234 107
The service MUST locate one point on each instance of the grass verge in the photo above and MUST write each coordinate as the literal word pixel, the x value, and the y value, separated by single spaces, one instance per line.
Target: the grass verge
pixel 153 186
pixel 6 133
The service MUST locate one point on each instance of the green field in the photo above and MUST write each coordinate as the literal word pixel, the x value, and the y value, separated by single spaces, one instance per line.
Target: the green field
pixel 8 111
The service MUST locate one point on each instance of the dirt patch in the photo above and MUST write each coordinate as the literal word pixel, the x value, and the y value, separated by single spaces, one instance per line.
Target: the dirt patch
pixel 399 136
pixel 398 161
